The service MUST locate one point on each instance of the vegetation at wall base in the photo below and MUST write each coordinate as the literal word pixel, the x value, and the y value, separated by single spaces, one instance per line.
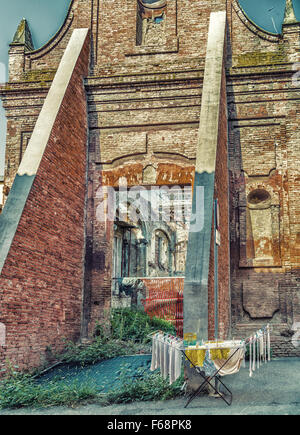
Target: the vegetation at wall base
pixel 128 336
pixel 20 390
pixel 135 325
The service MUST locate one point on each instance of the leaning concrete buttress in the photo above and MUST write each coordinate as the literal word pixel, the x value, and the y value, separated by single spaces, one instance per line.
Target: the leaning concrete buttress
pixel 42 225
pixel 199 246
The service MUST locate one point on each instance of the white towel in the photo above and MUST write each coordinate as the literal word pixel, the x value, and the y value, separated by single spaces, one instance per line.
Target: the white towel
pixel 254 345
pixel 234 363
pixel 269 343
pixel 167 348
pixel 178 360
pixel 172 362
pixel 155 353
pixel 250 357
pixel 258 351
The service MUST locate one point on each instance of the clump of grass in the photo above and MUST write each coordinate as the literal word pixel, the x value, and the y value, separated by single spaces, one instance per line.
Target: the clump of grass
pixel 21 390
pixel 148 388
pixel 135 325
pixel 128 336
pixel 100 349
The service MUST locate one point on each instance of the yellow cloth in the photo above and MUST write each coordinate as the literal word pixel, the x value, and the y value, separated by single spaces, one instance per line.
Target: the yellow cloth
pixel 219 353
pixel 196 356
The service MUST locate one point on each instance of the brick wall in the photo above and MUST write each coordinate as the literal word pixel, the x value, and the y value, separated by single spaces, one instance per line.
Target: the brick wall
pixel 263 154
pixel 221 193
pixel 42 278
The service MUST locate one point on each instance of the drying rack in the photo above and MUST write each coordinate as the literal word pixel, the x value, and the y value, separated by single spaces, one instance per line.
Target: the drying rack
pixel 207 380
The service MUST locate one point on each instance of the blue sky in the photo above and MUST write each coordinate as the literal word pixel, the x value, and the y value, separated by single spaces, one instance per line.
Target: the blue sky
pixel 45 18
pixel 268 14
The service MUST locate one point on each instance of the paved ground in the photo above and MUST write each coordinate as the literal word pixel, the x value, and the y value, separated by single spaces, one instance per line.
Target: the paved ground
pixel 274 389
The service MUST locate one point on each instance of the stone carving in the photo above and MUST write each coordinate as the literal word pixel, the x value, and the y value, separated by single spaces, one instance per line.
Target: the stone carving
pixel 154 31
pixel 149 175
pixel 289 15
pixel 151 23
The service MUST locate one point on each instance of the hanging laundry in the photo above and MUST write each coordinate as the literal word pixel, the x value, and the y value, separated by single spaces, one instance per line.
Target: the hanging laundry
pixel 154 360
pixel 259 348
pixel 250 357
pixel 161 346
pixel 172 362
pixel 196 356
pixel 208 365
pixel 253 352
pixel 167 356
pixel 219 353
pixel 269 343
pixel 178 360
pixel 234 360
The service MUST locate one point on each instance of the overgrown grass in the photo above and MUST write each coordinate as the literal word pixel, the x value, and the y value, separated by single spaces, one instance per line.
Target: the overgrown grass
pixel 148 388
pixel 128 336
pixel 135 325
pixel 100 349
pixel 21 390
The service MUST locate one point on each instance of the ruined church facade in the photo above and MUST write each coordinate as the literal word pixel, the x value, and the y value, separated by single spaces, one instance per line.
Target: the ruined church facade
pixel 187 98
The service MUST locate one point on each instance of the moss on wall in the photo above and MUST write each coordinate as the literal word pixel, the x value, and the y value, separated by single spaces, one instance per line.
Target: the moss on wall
pixel 39 75
pixel 257 58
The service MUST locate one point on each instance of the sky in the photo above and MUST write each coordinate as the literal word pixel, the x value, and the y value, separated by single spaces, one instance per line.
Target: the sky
pixel 45 18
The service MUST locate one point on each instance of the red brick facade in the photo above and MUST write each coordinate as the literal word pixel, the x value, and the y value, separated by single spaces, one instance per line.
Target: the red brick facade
pixel 143 111
pixel 41 281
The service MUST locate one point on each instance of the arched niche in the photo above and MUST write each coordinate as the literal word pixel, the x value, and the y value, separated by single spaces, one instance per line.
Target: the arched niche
pixel 259 218
pixel 151 23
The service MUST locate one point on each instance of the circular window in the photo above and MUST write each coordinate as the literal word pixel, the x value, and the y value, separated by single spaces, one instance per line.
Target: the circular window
pixel 258 196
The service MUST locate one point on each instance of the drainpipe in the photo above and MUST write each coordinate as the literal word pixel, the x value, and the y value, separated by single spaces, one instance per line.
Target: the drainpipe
pixel 216 265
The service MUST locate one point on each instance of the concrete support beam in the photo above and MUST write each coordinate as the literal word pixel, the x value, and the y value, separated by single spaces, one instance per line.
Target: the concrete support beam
pixel 12 212
pixel 199 245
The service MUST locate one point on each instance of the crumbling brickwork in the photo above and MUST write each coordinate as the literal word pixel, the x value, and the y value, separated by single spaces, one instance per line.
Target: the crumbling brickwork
pixel 264 195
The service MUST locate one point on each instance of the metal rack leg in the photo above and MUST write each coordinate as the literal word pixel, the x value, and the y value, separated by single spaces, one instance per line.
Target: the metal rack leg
pixel 207 381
